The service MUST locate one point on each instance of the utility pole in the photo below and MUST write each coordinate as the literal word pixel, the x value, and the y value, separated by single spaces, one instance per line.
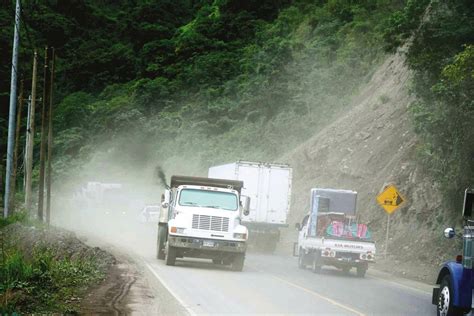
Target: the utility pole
pixel 11 114
pixel 50 140
pixel 30 136
pixel 17 146
pixel 43 138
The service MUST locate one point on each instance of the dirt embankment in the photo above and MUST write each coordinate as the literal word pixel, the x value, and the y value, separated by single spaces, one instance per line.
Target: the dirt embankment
pixel 106 293
pixel 371 145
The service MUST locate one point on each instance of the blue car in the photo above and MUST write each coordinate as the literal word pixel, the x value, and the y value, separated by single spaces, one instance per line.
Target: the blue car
pixel 456 278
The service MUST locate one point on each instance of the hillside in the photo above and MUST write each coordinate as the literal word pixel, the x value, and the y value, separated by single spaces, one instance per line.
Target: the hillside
pixel 189 84
pixel 369 146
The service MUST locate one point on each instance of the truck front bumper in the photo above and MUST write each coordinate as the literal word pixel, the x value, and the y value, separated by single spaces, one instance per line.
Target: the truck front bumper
pixel 207 244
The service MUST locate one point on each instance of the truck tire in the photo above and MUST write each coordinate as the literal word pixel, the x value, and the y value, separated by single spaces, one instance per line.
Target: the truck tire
pixel 445 300
pixel 161 242
pixel 272 244
pixel 361 270
pixel 238 262
pixel 301 259
pixel 170 258
pixel 316 264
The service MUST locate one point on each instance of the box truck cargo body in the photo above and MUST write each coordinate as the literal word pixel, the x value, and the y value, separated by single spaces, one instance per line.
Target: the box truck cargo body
pixel 269 187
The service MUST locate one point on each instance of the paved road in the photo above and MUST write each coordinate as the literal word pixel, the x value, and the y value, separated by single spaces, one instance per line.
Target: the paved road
pixel 269 284
pixel 273 284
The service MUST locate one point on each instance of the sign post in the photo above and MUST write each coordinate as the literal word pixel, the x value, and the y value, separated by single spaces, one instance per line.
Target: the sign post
pixel 390 200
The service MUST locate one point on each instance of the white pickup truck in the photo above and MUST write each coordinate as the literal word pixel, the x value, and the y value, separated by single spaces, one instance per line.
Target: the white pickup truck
pixel 330 234
pixel 200 218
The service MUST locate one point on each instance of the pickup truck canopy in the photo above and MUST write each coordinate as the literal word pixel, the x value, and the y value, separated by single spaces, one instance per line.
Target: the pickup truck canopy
pixel 333 201
pixel 176 181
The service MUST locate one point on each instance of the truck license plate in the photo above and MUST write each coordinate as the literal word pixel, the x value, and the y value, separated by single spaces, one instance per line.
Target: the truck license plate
pixel 207 243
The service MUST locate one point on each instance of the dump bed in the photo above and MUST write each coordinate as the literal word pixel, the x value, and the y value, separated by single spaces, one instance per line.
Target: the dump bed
pixel 176 181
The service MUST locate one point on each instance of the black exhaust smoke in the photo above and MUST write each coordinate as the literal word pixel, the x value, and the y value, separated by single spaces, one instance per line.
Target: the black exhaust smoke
pixel 160 174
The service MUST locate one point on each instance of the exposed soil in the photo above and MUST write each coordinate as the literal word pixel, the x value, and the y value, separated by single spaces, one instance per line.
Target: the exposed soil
pixel 112 295
pixel 371 145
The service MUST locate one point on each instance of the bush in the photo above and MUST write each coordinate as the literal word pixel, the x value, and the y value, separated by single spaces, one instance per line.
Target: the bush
pixel 42 283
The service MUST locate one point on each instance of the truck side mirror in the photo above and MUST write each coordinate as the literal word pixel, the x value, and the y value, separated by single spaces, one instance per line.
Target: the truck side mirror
pixel 245 202
pixel 449 233
pixel 298 226
pixel 468 206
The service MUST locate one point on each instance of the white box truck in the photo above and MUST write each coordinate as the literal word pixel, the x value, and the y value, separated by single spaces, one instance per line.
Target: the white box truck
pixel 331 235
pixel 269 187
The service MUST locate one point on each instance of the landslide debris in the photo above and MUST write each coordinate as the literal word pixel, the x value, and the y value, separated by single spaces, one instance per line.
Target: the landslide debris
pixel 371 145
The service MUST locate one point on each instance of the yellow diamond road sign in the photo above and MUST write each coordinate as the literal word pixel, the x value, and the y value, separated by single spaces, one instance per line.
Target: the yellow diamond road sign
pixel 390 199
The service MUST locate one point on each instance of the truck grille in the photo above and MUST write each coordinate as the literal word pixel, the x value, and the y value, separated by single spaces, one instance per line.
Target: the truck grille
pixel 207 222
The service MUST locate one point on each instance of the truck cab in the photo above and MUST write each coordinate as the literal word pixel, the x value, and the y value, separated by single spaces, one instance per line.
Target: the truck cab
pixel 454 296
pixel 201 219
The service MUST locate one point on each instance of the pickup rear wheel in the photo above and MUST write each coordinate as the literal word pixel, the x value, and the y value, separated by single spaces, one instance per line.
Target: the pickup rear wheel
pixel 316 264
pixel 160 244
pixel 301 259
pixel 445 300
pixel 361 270
pixel 170 258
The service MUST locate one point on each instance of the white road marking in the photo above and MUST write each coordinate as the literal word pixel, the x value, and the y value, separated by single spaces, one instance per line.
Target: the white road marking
pixel 327 299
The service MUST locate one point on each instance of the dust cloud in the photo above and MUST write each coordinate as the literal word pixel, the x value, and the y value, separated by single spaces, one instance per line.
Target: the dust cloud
pixel 105 198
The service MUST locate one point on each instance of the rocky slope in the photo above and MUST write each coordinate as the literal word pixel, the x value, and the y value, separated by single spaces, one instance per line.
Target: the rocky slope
pixel 371 145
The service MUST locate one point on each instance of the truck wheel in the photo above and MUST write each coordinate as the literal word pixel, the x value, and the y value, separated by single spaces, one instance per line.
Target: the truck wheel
pixel 272 244
pixel 445 300
pixel 160 247
pixel 170 258
pixel 301 259
pixel 361 270
pixel 316 266
pixel 238 262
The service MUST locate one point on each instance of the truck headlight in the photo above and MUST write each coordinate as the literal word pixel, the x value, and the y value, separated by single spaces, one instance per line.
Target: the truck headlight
pixel 240 236
pixel 177 230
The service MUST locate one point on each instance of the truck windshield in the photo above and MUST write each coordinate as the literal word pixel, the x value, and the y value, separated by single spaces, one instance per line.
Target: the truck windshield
pixel 204 198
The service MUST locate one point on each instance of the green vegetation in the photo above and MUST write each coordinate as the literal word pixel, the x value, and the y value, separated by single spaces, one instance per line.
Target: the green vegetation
pixel 20 217
pixel 43 284
pixel 146 81
pixel 442 57
pixel 41 279
pixel 220 79
pixel 142 83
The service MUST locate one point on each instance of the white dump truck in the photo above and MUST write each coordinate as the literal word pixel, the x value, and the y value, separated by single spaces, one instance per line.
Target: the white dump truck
pixel 200 218
pixel 331 235
pixel 269 187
